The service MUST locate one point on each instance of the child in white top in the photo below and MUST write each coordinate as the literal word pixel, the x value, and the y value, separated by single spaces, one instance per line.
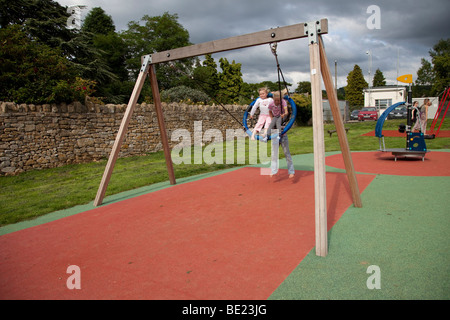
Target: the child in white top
pixel 262 103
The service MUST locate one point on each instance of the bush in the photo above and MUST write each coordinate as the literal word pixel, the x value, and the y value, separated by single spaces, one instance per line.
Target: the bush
pixel 184 94
pixel 304 108
pixel 68 91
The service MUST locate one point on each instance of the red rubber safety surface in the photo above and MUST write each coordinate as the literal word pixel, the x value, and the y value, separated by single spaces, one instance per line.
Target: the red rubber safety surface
pixel 237 235
pixel 435 163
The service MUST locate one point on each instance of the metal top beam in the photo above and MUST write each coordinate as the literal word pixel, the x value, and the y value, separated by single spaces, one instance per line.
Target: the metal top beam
pixel 279 34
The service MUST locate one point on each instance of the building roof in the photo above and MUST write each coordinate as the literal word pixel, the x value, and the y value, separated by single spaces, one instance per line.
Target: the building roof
pixel 386 88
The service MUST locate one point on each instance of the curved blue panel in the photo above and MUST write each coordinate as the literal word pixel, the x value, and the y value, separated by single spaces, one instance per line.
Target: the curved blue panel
pixel 286 128
pixel 383 117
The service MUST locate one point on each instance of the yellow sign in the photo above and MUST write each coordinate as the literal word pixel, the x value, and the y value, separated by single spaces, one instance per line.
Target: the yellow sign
pixel 406 78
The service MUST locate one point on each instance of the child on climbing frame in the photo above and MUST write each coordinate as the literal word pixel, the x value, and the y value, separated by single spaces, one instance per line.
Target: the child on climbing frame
pixel 262 103
pixel 277 110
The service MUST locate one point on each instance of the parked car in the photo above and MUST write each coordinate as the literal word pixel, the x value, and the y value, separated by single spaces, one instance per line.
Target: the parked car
pixel 354 115
pixel 368 113
pixel 398 113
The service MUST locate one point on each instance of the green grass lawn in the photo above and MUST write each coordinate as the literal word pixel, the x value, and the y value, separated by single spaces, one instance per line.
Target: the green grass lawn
pixel 35 193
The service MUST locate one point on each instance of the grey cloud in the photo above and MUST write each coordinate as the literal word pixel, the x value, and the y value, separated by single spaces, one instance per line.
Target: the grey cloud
pixel 409 28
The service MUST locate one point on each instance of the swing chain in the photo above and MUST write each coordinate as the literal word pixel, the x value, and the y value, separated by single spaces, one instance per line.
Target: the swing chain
pixel 273 48
pixel 199 82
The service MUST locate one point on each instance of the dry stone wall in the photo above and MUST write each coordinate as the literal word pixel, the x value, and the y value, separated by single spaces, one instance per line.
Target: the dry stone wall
pixel 46 136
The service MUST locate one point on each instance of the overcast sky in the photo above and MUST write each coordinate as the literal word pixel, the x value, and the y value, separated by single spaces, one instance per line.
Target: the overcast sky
pixel 408 29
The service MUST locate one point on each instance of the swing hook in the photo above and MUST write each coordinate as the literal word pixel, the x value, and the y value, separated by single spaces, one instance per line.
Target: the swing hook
pixel 273 47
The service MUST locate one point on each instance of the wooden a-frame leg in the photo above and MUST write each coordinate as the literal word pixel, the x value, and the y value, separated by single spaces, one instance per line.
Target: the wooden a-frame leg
pixel 340 129
pixel 120 136
pixel 162 126
pixel 319 154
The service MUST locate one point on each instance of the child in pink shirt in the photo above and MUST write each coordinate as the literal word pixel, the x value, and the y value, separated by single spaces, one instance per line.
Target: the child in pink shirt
pixel 277 110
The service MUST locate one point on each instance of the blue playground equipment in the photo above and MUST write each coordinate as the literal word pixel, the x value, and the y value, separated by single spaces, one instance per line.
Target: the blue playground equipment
pixel 285 127
pixel 415 141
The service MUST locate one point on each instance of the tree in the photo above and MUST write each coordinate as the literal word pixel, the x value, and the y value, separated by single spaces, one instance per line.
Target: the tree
pixel 425 78
pixel 156 34
pixel 273 86
pixel 425 74
pixel 206 77
pixel 109 52
pixel 303 87
pixel 33 72
pixel 341 93
pixel 440 57
pixel 249 92
pixel 13 12
pixel 355 85
pixel 42 20
pixel 113 52
pixel 88 60
pixel 304 108
pixel 184 94
pixel 436 73
pixel 98 22
pixel 378 79
pixel 230 81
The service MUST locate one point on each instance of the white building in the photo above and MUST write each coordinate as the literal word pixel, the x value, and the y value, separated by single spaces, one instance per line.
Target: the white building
pixel 384 97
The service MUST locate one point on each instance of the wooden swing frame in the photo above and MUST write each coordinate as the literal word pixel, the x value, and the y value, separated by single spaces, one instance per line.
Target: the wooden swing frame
pixel 318 66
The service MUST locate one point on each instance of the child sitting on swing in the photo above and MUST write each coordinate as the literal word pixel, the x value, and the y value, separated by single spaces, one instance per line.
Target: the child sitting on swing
pixel 277 110
pixel 263 103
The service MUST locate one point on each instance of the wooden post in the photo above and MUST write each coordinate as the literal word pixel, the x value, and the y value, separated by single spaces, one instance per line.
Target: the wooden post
pixel 161 124
pixel 121 133
pixel 319 153
pixel 340 129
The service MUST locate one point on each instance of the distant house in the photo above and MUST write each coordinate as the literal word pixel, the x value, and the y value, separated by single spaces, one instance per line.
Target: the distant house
pixel 384 97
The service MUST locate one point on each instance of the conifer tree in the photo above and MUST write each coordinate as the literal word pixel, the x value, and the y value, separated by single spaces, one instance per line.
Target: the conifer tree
pixel 378 79
pixel 98 22
pixel 207 76
pixel 355 86
pixel 230 81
